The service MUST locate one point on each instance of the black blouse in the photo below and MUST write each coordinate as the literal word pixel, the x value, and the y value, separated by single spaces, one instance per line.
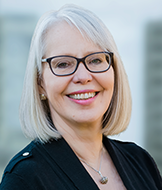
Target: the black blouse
pixel 54 166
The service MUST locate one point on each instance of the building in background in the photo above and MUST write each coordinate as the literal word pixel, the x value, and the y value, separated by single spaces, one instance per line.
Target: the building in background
pixel 153 91
pixel 15 36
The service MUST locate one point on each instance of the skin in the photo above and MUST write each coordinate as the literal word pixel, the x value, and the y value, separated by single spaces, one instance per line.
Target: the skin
pixel 79 122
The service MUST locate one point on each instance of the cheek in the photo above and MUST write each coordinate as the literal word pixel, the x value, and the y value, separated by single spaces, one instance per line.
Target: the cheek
pixel 107 80
pixel 108 86
pixel 53 85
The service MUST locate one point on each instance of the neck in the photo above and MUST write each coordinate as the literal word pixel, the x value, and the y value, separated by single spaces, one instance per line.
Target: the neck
pixel 84 139
pixel 88 149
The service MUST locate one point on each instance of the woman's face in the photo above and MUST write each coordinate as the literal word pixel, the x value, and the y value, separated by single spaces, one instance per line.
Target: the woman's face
pixel 61 91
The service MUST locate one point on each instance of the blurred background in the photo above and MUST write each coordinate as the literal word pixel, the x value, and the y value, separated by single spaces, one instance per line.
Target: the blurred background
pixel 137 29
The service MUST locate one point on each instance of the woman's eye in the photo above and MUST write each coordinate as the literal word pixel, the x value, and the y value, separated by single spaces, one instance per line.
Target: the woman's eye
pixel 96 61
pixel 62 65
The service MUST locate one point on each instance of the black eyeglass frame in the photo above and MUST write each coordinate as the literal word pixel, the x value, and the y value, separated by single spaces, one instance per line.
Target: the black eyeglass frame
pixel 79 60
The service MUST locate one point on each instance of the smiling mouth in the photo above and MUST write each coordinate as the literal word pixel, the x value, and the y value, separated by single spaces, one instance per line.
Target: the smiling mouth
pixel 83 96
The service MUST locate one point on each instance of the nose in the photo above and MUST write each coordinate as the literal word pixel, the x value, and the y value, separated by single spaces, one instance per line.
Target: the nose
pixel 82 75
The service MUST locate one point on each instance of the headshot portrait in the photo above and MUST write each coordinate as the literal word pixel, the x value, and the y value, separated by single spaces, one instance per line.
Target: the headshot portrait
pixel 76 96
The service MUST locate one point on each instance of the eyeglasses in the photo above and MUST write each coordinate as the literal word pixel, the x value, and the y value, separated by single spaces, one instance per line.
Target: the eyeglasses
pixel 64 65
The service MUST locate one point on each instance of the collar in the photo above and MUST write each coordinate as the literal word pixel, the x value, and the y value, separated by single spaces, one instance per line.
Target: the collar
pixel 62 154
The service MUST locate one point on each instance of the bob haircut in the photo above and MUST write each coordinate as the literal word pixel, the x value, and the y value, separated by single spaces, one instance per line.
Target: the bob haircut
pixel 34 113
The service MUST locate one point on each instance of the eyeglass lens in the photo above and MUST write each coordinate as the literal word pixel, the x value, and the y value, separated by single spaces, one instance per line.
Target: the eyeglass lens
pixel 64 65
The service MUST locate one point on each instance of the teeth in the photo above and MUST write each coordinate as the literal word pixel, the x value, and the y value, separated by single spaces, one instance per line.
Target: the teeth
pixel 82 96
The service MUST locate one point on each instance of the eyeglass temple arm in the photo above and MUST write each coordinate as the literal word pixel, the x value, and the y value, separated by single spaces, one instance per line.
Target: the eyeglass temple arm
pixel 44 60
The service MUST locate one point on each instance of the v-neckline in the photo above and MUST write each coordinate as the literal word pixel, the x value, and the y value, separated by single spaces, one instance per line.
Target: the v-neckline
pixel 69 163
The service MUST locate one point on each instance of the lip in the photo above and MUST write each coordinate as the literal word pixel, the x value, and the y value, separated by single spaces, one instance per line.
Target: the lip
pixel 82 91
pixel 85 101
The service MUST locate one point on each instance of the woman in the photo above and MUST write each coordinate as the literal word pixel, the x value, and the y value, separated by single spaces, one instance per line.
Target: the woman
pixel 75 94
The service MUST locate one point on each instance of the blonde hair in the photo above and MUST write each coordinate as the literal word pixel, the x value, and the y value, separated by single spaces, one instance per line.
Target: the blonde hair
pixel 34 113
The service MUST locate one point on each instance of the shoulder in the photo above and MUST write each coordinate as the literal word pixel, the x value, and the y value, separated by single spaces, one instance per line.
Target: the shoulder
pixel 135 157
pixel 127 147
pixel 21 166
pixel 23 157
pixel 130 149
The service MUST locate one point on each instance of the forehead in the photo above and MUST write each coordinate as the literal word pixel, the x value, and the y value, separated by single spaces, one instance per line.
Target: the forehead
pixel 63 38
pixel 62 32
